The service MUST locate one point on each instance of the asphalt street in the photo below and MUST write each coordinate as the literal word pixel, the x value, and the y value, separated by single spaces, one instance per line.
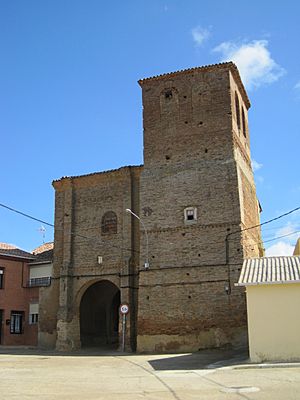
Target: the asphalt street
pixel 32 374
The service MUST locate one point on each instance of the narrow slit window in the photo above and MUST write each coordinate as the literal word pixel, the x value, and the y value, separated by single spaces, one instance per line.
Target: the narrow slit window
pixel 1 278
pixel 244 123
pixel 237 111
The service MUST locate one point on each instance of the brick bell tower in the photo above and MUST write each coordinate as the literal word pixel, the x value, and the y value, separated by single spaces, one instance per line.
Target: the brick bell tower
pixel 196 188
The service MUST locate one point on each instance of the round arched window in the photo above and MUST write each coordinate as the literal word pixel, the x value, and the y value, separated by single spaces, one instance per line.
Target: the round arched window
pixel 109 223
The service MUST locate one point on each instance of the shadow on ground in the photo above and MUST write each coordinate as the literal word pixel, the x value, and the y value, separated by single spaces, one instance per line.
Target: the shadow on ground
pixel 205 359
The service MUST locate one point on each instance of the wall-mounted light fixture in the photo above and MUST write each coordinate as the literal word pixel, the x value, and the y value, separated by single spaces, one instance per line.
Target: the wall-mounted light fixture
pixel 146 264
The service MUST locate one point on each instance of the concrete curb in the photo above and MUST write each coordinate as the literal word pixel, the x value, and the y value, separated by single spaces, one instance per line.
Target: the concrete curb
pixel 269 365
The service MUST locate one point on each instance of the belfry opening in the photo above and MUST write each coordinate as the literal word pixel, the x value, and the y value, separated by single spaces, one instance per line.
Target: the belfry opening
pixel 99 315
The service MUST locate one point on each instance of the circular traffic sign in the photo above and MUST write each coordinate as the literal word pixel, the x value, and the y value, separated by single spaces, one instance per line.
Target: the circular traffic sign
pixel 124 308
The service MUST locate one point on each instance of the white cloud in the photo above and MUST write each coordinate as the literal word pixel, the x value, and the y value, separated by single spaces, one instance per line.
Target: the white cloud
pixel 288 229
pixel 259 179
pixel 297 90
pixel 255 165
pixel 253 60
pixel 285 247
pixel 200 35
pixel 280 249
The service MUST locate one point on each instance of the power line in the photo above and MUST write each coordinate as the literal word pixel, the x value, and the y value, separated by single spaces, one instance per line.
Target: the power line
pixel 26 215
pixel 266 222
pixel 252 227
pixel 78 234
pixel 279 227
pixel 94 239
pixel 271 240
pixel 282 236
pixel 71 233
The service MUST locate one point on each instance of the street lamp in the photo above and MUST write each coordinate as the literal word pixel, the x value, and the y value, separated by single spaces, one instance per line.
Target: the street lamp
pixel 146 265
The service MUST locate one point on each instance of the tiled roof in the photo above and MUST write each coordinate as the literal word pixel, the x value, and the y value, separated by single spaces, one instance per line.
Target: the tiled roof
pixel 44 256
pixel 230 65
pixel 43 253
pixel 97 173
pixel 270 270
pixel 13 251
pixel 43 247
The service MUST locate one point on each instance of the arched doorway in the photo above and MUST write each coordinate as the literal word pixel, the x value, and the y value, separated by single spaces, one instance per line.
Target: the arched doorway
pixel 99 315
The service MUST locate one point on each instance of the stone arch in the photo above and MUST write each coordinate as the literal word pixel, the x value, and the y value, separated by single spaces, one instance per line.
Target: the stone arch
pixel 99 314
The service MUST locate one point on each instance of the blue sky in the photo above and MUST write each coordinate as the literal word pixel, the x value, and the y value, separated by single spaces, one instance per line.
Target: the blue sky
pixel 70 103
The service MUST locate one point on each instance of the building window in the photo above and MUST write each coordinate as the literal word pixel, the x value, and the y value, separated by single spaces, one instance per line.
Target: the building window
pixel 237 111
pixel 168 94
pixel 243 122
pixel 1 278
pixel 190 214
pixel 16 322
pixel 42 281
pixel 109 223
pixel 33 319
pixel 33 313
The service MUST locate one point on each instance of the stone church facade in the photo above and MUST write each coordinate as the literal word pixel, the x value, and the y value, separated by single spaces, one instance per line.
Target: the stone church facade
pixel 195 195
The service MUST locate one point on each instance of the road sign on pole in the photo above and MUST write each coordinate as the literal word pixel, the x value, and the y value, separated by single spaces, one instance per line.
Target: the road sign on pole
pixel 124 310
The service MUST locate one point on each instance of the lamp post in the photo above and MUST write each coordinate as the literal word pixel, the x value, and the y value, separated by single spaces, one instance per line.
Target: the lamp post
pixel 146 265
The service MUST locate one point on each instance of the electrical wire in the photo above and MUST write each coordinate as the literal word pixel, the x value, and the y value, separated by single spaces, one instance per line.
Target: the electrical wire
pixel 26 215
pixel 279 227
pixel 282 236
pixel 72 233
pixel 94 239
pixel 271 240
pixel 266 222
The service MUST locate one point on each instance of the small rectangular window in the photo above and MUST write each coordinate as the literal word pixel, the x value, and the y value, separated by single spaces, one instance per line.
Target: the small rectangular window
pixel 33 313
pixel 1 278
pixel 33 319
pixel 16 322
pixel 190 214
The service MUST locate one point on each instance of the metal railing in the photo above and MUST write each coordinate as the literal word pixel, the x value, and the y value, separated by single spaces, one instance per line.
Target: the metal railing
pixel 36 282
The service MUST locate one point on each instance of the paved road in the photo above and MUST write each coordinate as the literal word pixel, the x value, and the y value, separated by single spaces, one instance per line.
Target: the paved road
pixel 206 375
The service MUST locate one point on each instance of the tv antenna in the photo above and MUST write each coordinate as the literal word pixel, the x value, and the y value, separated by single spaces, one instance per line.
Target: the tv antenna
pixel 42 231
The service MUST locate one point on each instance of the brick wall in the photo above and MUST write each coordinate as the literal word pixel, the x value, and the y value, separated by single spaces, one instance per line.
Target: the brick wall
pixel 191 161
pixel 195 155
pixel 16 296
pixel 80 205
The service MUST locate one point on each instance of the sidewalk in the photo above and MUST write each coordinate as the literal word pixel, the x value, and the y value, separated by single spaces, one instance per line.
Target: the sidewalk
pixel 95 374
pixel 204 359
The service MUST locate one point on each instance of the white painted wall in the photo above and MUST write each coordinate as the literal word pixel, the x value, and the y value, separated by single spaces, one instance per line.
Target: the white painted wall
pixel 274 322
